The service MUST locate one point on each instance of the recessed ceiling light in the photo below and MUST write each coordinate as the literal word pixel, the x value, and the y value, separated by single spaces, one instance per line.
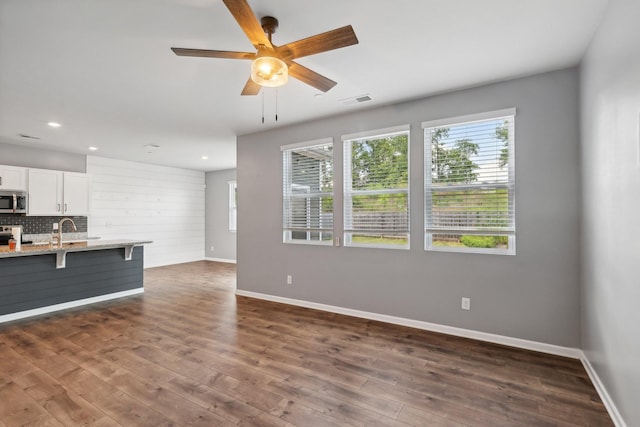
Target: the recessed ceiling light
pixel 93 148
pixel 54 124
pixel 205 157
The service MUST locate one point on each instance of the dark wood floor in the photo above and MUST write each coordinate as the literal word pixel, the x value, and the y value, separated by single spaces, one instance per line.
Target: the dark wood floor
pixel 189 352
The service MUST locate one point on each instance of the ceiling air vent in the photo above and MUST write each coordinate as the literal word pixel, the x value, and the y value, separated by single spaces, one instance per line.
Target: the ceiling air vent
pixel 22 135
pixel 356 100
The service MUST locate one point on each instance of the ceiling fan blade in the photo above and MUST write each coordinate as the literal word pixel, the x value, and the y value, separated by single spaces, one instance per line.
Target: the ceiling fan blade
pixel 204 53
pixel 247 20
pixel 310 77
pixel 334 39
pixel 251 88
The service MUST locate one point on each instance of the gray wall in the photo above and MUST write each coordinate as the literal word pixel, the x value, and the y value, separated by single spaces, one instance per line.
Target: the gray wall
pixel 533 295
pixel 16 155
pixel 610 198
pixel 217 232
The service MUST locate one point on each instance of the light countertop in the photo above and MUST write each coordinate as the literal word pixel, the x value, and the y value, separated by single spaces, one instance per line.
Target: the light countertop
pixel 73 246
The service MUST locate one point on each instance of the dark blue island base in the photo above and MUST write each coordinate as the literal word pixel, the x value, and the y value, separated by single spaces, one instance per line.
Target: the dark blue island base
pixel 33 285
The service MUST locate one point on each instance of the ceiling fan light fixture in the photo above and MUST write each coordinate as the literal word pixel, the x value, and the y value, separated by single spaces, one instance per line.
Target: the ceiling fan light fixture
pixel 271 62
pixel 269 71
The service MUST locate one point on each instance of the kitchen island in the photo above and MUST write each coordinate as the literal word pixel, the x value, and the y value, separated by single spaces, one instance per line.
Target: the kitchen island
pixel 39 279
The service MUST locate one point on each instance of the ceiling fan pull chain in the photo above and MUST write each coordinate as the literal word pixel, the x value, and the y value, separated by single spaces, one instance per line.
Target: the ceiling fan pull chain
pixel 262 107
pixel 276 104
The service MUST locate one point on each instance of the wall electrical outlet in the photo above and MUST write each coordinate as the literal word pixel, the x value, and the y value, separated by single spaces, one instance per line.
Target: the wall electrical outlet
pixel 466 304
pixel 289 279
pixel 211 248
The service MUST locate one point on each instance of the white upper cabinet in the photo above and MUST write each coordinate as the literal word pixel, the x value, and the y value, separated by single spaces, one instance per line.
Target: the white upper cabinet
pixel 13 178
pixel 75 194
pixel 45 192
pixel 55 193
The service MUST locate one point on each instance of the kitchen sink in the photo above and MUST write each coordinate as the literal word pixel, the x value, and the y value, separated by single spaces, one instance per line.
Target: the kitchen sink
pixel 80 240
pixel 67 242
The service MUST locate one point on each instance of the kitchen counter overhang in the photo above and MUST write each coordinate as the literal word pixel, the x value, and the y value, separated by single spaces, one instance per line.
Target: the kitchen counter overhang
pixel 72 246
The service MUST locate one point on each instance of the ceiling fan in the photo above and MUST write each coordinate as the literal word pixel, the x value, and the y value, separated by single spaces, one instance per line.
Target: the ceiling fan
pixel 273 64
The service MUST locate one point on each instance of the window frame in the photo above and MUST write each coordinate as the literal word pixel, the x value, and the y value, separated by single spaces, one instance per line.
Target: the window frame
pixel 233 206
pixel 286 197
pixel 510 231
pixel 348 192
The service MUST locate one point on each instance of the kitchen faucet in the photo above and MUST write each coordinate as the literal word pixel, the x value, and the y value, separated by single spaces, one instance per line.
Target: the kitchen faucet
pixel 62 221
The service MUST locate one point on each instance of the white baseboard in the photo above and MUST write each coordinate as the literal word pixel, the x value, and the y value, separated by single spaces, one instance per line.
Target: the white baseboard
pixel 573 353
pixel 66 305
pixel 602 392
pixel 228 261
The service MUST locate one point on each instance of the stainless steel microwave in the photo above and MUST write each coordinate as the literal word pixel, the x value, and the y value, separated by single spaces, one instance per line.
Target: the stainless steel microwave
pixel 13 202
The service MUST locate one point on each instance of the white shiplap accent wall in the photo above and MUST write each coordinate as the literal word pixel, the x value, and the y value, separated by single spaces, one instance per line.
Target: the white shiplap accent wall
pixel 142 201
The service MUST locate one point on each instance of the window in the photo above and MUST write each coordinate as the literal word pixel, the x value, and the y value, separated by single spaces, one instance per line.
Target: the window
pixel 233 206
pixel 470 183
pixel 307 195
pixel 376 188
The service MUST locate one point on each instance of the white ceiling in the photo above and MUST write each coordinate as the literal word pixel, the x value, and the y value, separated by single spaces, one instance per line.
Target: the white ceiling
pixel 104 70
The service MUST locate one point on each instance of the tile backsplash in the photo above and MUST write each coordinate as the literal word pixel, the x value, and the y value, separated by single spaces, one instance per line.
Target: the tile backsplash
pixel 43 224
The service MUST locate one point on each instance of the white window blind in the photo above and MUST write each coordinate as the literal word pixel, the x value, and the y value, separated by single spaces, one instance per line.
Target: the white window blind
pixel 376 189
pixel 470 183
pixel 308 192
